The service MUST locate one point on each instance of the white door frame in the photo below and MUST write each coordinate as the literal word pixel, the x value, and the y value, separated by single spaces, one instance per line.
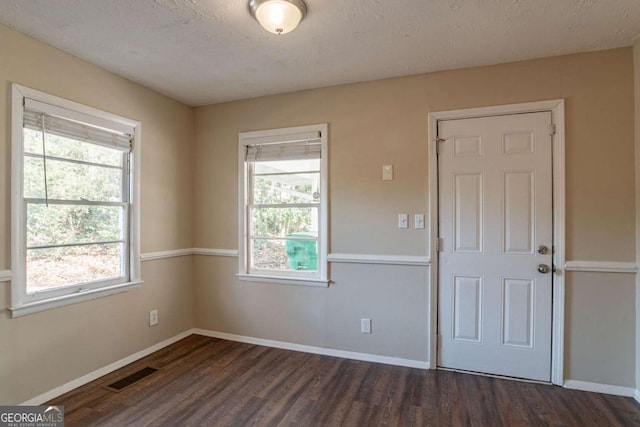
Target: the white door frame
pixel 556 107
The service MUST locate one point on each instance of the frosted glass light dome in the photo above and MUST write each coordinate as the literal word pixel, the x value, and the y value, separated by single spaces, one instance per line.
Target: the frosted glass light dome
pixel 278 16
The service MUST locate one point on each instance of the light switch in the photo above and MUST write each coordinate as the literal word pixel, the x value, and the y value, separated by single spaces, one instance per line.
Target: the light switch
pixel 403 220
pixel 387 172
pixel 418 221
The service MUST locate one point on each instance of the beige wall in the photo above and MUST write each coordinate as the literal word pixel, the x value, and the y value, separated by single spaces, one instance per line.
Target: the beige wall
pixel 45 350
pixel 600 313
pixel 385 122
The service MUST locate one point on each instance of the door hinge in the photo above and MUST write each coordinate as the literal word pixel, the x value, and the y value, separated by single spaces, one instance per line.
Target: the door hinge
pixel 439 244
pixel 438 142
pixel 552 129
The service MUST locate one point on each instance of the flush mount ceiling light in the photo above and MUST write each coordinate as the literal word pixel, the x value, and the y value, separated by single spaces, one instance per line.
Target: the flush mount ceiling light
pixel 278 16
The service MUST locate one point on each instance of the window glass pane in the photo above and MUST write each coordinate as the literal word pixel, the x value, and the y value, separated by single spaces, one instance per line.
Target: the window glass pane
pixel 284 255
pixel 57 267
pixel 67 148
pixel 279 166
pixel 289 188
pixel 72 181
pixel 284 222
pixel 32 141
pixel 33 178
pixel 63 224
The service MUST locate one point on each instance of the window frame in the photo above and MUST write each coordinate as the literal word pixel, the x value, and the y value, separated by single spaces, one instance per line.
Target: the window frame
pixel 283 135
pixel 23 303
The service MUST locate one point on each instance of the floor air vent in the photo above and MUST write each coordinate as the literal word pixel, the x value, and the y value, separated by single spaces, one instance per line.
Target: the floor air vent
pixel 131 379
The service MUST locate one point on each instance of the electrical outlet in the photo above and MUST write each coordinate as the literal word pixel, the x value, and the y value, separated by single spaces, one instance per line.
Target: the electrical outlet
pixel 365 326
pixel 153 317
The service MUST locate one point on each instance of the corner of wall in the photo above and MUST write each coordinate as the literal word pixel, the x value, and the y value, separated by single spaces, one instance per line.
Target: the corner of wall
pixel 636 73
pixel 192 214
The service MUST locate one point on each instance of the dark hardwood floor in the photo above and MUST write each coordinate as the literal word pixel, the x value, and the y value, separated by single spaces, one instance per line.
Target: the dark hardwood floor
pixel 207 381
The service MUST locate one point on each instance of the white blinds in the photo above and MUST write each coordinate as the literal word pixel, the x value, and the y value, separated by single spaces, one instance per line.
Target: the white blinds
pixel 294 146
pixel 56 125
pixel 284 151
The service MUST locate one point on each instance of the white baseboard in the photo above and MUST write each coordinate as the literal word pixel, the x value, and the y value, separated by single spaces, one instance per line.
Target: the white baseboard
pixel 60 390
pixel 636 395
pixel 601 388
pixel 315 350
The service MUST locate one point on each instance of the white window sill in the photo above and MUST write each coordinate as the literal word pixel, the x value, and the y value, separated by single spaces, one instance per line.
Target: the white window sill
pixel 280 280
pixel 48 304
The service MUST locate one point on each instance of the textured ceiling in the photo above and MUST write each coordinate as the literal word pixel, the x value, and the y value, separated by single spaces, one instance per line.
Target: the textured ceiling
pixel 210 51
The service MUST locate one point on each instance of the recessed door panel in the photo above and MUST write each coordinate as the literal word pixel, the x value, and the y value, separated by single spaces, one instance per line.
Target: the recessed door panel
pixel 518 212
pixel 467 306
pixel 469 146
pixel 516 143
pixel 468 208
pixel 517 312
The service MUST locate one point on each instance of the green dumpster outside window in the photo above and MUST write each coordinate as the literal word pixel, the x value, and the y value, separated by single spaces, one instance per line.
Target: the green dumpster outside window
pixel 302 254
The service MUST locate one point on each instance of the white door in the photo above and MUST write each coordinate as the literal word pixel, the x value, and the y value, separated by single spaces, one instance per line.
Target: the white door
pixel 495 212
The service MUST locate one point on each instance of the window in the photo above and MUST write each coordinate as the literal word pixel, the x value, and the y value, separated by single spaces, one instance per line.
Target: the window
pixel 74 202
pixel 283 205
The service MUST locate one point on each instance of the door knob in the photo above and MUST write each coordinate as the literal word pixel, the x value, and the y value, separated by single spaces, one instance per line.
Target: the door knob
pixel 543 268
pixel 543 250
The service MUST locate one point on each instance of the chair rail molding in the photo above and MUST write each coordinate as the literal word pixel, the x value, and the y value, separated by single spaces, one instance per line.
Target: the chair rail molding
pixel 5 275
pixel 215 252
pixel 379 259
pixel 150 256
pixel 601 266
pixel 383 259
